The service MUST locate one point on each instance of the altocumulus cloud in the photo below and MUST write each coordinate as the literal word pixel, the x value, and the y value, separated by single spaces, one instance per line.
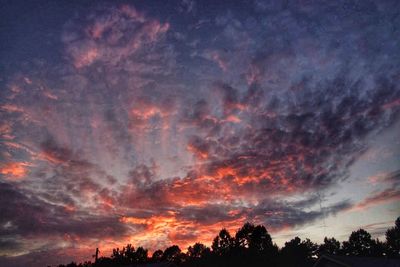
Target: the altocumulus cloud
pixel 155 129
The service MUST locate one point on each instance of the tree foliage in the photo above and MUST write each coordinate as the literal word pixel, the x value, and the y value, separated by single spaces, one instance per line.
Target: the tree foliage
pixel 222 243
pixel 299 253
pixel 173 254
pixel 252 246
pixel 330 246
pixel 198 250
pixel 157 255
pixel 360 243
pixel 393 239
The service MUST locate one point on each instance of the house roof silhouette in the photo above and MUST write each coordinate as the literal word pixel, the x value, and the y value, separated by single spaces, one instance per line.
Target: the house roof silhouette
pixel 158 264
pixel 349 261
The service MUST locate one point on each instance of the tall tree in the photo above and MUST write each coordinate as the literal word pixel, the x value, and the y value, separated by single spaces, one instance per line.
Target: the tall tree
pixel 330 246
pixel 223 243
pixel 172 254
pixel 129 253
pixel 197 251
pixel 255 242
pixel 261 241
pixel 299 253
pixel 360 243
pixel 243 236
pixel 118 256
pixel 393 239
pixel 157 255
pixel 141 255
pixel 379 249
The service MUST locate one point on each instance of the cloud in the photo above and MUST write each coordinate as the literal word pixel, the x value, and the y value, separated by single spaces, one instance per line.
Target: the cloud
pixel 15 171
pixel 28 216
pixel 113 37
pixel 154 131
pixel 198 147
pixel 54 153
pixel 279 216
pixel 187 6
pixel 217 58
pixel 378 228
pixel 379 197
pixel 49 256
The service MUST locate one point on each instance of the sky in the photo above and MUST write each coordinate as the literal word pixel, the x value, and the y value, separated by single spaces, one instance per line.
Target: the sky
pixel 161 122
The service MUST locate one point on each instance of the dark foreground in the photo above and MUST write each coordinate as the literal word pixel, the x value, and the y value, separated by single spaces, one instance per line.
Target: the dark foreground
pixel 252 246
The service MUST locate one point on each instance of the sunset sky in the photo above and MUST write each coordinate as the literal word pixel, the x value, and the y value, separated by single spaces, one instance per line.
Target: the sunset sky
pixel 160 122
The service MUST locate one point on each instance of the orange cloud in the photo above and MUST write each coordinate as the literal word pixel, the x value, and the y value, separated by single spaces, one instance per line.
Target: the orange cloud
pixel 233 119
pixel 15 171
pixel 146 112
pixel 167 229
pixel 147 116
pixel 195 150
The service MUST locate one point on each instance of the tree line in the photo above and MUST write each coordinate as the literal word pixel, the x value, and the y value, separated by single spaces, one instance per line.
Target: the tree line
pixel 252 246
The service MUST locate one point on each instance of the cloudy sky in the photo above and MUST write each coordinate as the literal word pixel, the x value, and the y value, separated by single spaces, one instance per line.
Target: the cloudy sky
pixel 161 122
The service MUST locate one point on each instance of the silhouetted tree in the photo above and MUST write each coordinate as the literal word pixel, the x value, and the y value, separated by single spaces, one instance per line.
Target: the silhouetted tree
pixel 118 256
pixel 157 256
pixel 141 255
pixel 129 254
pixel 299 253
pixel 197 251
pixel 173 254
pixel 393 239
pixel 360 244
pixel 261 241
pixel 379 249
pixel 330 246
pixel 243 236
pixel 198 255
pixel 252 246
pixel 222 243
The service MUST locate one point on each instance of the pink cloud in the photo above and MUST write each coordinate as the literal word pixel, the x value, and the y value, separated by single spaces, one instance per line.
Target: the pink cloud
pixel 216 57
pixel 113 38
pixel 387 196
